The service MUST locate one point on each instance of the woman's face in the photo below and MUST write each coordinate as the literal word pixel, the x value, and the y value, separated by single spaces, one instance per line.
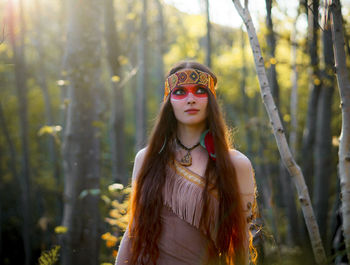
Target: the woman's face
pixel 189 103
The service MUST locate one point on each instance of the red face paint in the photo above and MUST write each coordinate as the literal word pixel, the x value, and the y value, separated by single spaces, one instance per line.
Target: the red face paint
pixel 182 92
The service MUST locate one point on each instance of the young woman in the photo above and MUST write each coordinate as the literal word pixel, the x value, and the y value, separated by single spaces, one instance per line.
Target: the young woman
pixel 193 195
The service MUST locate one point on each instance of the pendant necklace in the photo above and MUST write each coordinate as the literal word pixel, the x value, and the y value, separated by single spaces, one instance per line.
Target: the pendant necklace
pixel 187 159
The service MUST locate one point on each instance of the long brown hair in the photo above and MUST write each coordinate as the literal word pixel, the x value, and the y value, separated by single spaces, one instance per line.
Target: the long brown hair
pixel 146 204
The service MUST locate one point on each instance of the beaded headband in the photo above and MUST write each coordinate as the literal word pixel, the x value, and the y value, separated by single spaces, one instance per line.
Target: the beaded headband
pixel 188 76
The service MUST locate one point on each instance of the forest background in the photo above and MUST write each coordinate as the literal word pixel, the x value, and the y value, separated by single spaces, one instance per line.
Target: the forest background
pixel 82 83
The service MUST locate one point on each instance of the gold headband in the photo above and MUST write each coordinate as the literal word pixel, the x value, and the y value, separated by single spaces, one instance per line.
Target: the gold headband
pixel 188 76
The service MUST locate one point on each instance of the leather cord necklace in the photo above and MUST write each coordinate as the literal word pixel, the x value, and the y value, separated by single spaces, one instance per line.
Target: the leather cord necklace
pixel 187 159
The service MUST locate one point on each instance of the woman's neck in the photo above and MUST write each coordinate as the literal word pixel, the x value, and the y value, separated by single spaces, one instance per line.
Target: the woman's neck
pixel 189 135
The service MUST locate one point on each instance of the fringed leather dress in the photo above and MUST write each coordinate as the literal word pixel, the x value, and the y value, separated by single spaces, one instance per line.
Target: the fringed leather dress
pixel 182 241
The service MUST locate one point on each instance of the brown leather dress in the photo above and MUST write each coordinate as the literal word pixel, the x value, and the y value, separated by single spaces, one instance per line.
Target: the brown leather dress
pixel 181 241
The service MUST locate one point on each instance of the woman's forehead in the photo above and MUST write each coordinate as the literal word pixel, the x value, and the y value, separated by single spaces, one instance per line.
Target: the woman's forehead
pixel 190 86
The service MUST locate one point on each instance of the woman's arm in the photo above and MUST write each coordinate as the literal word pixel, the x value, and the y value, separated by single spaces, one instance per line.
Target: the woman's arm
pixel 124 252
pixel 246 180
pixel 124 249
pixel 247 186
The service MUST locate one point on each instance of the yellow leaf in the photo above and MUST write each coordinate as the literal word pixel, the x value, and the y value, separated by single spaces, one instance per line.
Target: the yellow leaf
pixel 317 81
pixel 61 229
pixel 115 213
pixel 111 221
pixel 116 204
pixel 273 61
pixel 115 79
pixel 121 225
pixel 98 124
pixel 131 16
pixel 106 199
pixel 45 129
pixel 123 60
pixel 105 236
pixel 127 190
pixel 286 117
pixel 110 244
pixel 335 141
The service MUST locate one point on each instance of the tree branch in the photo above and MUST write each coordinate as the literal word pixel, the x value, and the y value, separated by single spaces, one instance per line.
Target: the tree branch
pixel 280 137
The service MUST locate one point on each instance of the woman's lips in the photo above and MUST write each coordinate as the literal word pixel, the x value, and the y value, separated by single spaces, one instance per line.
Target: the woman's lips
pixel 192 111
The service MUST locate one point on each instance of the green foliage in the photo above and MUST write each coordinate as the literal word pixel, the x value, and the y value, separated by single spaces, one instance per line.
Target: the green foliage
pixel 118 214
pixel 50 257
pixel 117 202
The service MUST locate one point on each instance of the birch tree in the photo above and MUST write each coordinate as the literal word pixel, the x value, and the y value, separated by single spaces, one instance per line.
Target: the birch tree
pixel 343 80
pixel 278 131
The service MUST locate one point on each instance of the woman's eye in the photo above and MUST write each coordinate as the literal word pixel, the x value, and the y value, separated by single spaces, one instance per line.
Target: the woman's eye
pixel 179 91
pixel 201 90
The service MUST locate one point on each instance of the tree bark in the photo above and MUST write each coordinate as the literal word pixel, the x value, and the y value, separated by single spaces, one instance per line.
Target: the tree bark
pixel 1 190
pixel 41 77
pixel 21 87
pixel 344 90
pixel 266 187
pixel 308 141
pixel 278 131
pixel 161 48
pixel 300 235
pixel 245 100
pixel 323 144
pixel 12 165
pixel 208 35
pixel 287 193
pixel 294 92
pixel 81 146
pixel 141 109
pixel 271 51
pixel 117 117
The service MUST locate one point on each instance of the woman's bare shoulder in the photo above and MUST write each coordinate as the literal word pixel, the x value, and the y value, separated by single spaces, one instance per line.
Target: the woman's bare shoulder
pixel 139 158
pixel 244 170
pixel 239 159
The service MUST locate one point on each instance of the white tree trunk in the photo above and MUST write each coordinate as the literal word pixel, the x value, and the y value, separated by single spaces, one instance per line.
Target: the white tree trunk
pixel 344 90
pixel 278 131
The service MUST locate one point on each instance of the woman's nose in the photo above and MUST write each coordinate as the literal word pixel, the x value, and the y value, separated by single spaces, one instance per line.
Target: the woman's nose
pixel 190 98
